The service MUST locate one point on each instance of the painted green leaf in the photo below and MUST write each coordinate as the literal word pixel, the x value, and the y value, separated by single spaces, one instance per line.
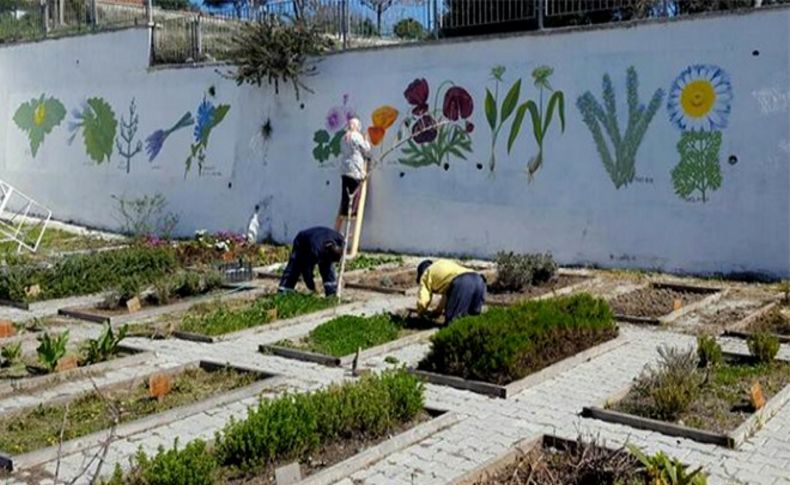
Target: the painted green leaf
pixel 515 128
pixel 321 136
pixel 37 118
pixel 511 100
pixel 334 145
pixel 490 108
pixel 698 170
pixel 98 129
pixel 557 101
pixel 536 125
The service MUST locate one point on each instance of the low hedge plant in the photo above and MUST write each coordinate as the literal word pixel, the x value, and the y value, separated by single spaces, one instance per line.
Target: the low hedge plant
pixel 287 428
pixel 506 344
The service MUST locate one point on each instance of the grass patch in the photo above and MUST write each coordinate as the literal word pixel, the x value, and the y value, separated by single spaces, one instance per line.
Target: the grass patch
pixel 367 261
pixel 86 273
pixel 292 427
pixel 223 318
pixel 715 398
pixel 507 344
pixel 56 240
pixel 40 427
pixel 343 335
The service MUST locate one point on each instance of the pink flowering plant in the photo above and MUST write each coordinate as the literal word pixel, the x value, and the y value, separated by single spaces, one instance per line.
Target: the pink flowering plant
pixel 327 140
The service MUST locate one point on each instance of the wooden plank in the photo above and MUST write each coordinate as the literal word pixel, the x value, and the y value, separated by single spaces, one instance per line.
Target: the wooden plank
pixel 638 320
pixel 297 354
pixel 360 216
pixel 669 429
pixel 81 315
pixel 479 387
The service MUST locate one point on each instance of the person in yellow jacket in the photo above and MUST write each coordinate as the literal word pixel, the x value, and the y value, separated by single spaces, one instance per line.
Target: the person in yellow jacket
pixel 462 290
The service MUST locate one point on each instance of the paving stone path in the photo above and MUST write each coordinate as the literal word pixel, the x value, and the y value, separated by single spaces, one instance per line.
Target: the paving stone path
pixel 487 428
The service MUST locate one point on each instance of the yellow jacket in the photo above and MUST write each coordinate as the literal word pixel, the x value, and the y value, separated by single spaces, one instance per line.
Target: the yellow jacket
pixel 436 279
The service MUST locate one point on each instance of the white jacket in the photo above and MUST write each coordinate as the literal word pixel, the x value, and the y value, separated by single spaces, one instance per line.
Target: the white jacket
pixel 354 150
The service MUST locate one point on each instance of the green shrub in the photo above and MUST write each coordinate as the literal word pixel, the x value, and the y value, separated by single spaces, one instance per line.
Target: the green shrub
pixel 708 351
pixel 104 347
pixel 666 391
pixel 506 344
pixel 10 354
pixel 51 349
pixel 763 346
pixel 292 426
pixel 518 271
pixel 663 470
pixel 87 273
pixel 192 465
pixel 345 334
pixel 409 28
pixel 224 319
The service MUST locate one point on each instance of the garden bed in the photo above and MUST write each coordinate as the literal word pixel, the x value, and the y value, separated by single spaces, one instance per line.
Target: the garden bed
pixel 22 378
pixel 318 430
pixel 99 313
pixel 507 350
pixel 335 342
pixel 212 322
pixel 30 437
pixel 561 284
pixel 659 303
pixel 396 282
pixel 773 318
pixel 720 413
pixel 362 262
pixel 549 460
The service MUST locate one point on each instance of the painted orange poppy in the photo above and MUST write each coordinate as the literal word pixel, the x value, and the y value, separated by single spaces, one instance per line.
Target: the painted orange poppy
pixel 376 134
pixel 384 116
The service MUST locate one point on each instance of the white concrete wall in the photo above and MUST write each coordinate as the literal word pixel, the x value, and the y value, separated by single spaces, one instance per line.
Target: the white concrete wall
pixel 571 207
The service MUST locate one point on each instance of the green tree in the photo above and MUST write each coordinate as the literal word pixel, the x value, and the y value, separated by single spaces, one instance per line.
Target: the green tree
pixel 409 29
pixel 173 4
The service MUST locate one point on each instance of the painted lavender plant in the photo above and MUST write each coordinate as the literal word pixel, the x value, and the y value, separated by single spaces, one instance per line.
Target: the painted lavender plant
pixel 209 116
pixel 155 141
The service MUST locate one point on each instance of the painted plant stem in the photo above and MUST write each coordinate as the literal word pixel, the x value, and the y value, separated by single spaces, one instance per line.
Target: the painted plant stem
pixel 411 137
pixel 496 118
pixel 128 132
pixel 154 143
pixel 540 125
pixel 620 165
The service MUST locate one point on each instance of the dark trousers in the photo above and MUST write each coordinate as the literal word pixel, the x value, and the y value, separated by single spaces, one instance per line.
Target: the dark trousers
pixel 301 265
pixel 466 296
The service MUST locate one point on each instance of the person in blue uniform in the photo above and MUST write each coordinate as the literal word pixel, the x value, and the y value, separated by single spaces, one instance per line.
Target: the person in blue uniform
pixel 318 245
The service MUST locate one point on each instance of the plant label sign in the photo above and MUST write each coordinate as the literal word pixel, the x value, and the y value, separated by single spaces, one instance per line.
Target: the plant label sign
pixel 677 304
pixel 33 291
pixel 288 474
pixel 7 328
pixel 133 305
pixel 756 396
pixel 271 315
pixel 159 386
pixel 66 363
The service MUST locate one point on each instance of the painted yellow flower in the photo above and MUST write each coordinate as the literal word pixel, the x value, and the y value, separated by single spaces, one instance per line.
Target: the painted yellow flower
pixel 700 99
pixel 384 116
pixel 40 114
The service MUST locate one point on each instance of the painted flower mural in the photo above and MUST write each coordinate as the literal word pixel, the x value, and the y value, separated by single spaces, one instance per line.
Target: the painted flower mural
pixel 156 140
pixel 700 101
pixel 436 134
pixel 98 124
pixel 327 140
pixel 125 143
pixel 209 116
pixel 383 117
pixel 37 118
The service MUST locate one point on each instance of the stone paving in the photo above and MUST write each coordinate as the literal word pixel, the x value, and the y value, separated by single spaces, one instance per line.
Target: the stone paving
pixel 487 428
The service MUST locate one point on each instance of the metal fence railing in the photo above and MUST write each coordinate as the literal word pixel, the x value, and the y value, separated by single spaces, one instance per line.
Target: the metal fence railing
pixel 196 36
pixel 23 20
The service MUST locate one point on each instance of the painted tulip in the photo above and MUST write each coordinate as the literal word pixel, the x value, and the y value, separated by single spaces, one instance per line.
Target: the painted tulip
pixel 417 95
pixel 424 130
pixel 457 103
pixel 384 116
pixel 376 134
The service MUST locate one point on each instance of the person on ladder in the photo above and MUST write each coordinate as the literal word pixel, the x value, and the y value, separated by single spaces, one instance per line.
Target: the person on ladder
pixel 462 290
pixel 355 149
pixel 317 245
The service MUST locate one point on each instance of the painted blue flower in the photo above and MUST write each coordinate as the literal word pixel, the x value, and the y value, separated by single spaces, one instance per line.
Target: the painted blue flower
pixel 700 98
pixel 205 120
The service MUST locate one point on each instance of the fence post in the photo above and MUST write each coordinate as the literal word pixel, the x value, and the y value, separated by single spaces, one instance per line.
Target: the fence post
pixel 540 4
pixel 346 23
pixel 44 16
pixel 94 14
pixel 437 22
pixel 198 39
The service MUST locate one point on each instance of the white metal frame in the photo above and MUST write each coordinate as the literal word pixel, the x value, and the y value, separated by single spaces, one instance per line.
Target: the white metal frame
pixel 20 216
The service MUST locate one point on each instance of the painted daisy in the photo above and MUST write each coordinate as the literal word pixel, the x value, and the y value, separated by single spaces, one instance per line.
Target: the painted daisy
pixel 700 98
